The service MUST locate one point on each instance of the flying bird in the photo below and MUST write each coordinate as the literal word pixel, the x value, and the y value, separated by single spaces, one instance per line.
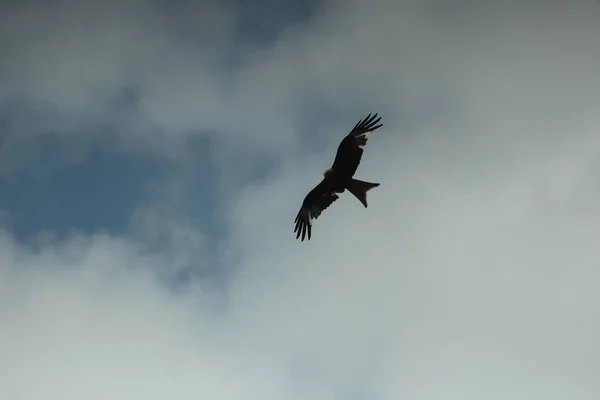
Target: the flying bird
pixel 339 177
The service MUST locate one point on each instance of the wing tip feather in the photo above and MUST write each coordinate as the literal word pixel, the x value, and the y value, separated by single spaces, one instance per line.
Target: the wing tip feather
pixel 369 123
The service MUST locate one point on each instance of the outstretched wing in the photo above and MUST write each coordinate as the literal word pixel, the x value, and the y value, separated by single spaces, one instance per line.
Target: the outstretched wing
pixel 314 203
pixel 350 149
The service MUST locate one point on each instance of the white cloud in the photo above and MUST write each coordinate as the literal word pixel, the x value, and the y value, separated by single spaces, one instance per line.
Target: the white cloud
pixel 471 274
pixel 444 287
pixel 88 319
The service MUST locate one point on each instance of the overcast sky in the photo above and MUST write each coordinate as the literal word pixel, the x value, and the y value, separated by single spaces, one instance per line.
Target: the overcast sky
pixel 154 154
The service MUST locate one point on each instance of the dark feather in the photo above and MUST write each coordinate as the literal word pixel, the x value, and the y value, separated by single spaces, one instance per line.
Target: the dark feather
pixel 315 202
pixel 349 152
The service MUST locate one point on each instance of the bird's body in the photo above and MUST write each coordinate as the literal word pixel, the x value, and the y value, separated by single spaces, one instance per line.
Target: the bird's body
pixel 338 178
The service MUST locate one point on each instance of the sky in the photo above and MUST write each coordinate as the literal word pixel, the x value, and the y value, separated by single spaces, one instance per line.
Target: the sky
pixel 154 154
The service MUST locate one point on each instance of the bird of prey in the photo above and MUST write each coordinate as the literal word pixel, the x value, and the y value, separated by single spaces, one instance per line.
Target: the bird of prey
pixel 339 177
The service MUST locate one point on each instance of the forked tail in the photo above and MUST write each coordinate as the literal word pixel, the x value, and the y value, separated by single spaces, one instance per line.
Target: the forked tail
pixel 359 189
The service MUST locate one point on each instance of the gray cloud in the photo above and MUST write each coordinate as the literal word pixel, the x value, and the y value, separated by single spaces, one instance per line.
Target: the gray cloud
pixel 67 62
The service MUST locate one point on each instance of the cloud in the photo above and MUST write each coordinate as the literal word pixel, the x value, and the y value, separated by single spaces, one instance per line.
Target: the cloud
pixel 151 73
pixel 88 319
pixel 470 275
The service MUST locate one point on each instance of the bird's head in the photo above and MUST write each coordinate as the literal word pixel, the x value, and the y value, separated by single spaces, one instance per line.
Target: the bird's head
pixel 327 172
